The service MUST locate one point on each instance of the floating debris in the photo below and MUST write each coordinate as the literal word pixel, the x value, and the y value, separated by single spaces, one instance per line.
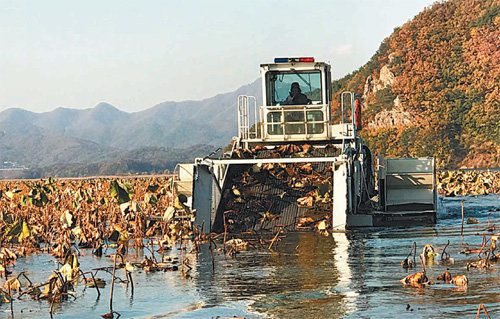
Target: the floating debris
pixel 446 259
pixel 472 221
pixel 237 244
pixel 482 263
pixel 418 279
pixel 408 262
pixel 459 280
pixel 91 282
pixel 445 276
pixel 428 254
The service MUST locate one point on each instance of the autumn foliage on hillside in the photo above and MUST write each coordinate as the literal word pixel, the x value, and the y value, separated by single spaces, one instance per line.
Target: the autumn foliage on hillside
pixel 444 78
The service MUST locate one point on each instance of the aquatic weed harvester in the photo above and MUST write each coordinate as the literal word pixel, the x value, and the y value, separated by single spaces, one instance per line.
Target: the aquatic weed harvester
pixel 291 166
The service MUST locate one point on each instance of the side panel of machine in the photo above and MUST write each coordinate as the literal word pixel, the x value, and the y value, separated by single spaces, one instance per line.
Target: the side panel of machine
pixel 184 182
pixel 340 197
pixel 202 196
pixel 409 183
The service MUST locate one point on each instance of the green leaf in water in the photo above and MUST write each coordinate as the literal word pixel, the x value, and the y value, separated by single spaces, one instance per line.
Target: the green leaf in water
pixel 118 192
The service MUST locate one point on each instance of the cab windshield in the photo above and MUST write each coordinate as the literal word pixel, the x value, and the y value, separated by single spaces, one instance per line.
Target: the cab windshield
pixel 279 85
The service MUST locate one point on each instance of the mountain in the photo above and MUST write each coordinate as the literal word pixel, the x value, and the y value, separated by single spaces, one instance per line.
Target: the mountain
pixel 432 88
pixel 106 140
pixel 169 124
pixel 144 160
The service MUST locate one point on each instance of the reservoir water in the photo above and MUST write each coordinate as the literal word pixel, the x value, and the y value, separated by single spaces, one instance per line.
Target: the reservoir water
pixel 351 275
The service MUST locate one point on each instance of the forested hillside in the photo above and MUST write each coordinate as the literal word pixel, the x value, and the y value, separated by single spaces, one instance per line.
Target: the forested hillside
pixel 104 140
pixel 432 88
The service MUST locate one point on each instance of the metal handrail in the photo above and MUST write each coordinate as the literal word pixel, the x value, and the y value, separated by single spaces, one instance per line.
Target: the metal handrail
pixel 344 119
pixel 297 108
pixel 249 131
pixel 342 99
pixel 245 130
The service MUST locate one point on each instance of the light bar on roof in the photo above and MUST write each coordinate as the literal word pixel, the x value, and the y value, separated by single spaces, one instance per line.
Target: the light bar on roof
pixel 288 60
pixel 280 60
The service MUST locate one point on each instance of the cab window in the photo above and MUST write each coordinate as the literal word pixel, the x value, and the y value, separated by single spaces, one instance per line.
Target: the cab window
pixel 279 83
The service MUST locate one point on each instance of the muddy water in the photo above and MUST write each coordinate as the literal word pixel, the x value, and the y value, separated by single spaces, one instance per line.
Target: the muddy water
pixel 353 275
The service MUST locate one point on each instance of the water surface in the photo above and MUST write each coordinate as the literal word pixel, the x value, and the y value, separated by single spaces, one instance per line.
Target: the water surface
pixel 353 275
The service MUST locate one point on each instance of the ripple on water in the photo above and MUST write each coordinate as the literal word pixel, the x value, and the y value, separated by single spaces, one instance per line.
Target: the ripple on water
pixel 353 275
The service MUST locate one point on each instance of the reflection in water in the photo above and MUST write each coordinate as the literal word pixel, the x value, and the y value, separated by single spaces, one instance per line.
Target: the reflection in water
pixel 356 274
pixel 341 261
pixel 299 276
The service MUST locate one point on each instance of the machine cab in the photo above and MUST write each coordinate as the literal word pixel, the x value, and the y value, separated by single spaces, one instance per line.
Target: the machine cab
pixel 296 95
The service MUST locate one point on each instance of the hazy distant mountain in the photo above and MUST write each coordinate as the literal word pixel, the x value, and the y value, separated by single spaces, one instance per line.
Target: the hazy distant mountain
pixel 169 124
pixel 85 139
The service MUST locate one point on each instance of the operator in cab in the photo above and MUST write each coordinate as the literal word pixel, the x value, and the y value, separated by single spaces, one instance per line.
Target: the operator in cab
pixel 296 96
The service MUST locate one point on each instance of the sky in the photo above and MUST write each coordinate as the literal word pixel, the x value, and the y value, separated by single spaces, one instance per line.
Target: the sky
pixel 136 54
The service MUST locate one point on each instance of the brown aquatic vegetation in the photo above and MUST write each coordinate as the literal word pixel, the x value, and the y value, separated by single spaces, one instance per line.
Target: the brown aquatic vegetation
pixel 462 183
pixel 428 254
pixel 483 308
pixel 408 262
pixel 54 215
pixel 445 276
pixel 459 280
pixel 418 279
pixel 260 192
pixel 446 259
pixel 60 217
pixel 486 250
pixel 483 263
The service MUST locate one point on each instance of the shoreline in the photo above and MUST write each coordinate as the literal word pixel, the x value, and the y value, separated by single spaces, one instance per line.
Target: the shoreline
pixel 450 182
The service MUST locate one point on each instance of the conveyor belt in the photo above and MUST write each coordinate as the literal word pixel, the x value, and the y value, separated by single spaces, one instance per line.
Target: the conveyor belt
pixel 263 193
